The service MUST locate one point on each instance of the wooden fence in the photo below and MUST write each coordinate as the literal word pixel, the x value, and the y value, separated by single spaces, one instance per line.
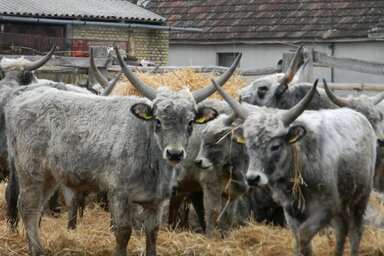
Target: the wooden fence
pixel 79 67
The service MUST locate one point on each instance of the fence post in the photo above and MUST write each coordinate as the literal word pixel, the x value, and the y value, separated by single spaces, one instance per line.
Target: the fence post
pixel 98 52
pixel 308 75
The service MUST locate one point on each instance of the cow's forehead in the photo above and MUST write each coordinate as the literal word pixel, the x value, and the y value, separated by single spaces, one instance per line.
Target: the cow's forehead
pixel 169 103
pixel 216 126
pixel 18 63
pixel 260 128
pixel 270 82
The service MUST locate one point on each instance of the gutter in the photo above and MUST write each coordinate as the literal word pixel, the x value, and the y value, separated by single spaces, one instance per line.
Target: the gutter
pixel 271 41
pixel 96 23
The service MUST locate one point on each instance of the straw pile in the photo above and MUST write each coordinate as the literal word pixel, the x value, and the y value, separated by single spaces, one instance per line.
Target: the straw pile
pixel 178 80
pixel 93 237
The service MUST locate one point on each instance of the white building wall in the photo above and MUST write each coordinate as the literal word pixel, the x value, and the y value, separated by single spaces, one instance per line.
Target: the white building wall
pixel 267 55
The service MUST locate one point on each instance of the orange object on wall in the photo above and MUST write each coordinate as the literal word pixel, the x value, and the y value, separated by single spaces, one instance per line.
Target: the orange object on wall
pixel 77 48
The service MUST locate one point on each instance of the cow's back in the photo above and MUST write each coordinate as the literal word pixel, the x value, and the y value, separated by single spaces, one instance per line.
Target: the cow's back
pixel 340 148
pixel 84 138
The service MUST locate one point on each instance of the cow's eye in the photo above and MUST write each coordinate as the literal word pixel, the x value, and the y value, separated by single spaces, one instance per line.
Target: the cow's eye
pixel 261 91
pixel 158 125
pixel 190 127
pixel 275 147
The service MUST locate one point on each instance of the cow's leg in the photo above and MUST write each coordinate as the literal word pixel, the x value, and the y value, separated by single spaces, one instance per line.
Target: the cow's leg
pixel 227 216
pixel 53 203
pixel 102 200
pixel 356 223
pixel 197 199
pixel 11 196
pixel 212 206
pixel 29 205
pixel 311 226
pixel 71 202
pixel 152 220
pixel 34 192
pixel 293 226
pixel 341 227
pixel 174 206
pixel 121 209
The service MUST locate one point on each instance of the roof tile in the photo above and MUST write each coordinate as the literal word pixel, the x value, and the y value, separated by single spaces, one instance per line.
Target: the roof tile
pixel 270 19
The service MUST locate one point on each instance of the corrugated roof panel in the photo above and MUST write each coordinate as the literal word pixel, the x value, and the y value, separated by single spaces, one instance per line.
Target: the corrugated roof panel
pixel 83 9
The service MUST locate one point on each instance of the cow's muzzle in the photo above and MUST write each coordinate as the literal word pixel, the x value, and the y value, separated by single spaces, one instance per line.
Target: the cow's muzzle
pixel 175 155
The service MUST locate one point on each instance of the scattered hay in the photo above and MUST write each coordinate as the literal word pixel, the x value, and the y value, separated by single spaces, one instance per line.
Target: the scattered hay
pixel 178 80
pixel 94 237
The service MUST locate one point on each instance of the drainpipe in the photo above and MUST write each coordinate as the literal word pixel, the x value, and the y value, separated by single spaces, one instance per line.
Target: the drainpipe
pixel 332 46
pixel 96 23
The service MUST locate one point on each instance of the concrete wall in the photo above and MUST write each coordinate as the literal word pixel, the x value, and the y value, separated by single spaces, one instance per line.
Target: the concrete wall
pixel 150 45
pixel 267 55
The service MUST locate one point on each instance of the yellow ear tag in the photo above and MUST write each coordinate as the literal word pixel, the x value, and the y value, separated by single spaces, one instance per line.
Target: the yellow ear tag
pixel 293 139
pixel 200 120
pixel 240 140
pixel 147 116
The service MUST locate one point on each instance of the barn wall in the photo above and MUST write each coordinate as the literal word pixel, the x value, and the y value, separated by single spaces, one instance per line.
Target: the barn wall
pixel 151 45
pixel 259 56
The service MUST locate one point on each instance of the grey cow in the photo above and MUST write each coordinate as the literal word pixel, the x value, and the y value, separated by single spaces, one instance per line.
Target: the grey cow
pixel 15 73
pixel 224 161
pixel 210 188
pixel 12 86
pixel 330 153
pixel 127 146
pixel 222 149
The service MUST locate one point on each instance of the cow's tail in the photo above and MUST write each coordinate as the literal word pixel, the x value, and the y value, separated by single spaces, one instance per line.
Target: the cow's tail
pixel 11 196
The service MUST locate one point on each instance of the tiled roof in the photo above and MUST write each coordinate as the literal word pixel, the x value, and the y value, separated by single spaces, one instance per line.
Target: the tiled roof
pixel 78 9
pixel 270 19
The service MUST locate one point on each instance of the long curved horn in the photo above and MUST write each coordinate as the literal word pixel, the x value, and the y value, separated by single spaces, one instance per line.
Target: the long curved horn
pixel 299 108
pixel 96 72
pixel 40 62
pixel 293 66
pixel 111 84
pixel 377 98
pixel 142 87
pixel 339 101
pixel 206 91
pixel 240 111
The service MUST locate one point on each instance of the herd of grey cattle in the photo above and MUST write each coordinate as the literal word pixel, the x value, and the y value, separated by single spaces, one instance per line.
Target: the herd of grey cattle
pixel 286 151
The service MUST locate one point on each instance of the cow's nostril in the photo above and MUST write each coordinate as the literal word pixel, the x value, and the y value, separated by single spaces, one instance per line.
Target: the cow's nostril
pixel 253 180
pixel 199 162
pixel 175 154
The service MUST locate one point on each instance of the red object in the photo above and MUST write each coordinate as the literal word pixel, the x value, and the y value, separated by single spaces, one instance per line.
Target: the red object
pixel 77 48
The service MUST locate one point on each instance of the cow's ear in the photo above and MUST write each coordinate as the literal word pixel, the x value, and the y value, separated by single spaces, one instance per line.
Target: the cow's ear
pixel 26 77
pixel 295 133
pixel 280 90
pixel 142 111
pixel 238 136
pixel 205 114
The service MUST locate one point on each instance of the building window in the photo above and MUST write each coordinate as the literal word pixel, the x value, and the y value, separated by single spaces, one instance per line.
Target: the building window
pixel 226 59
